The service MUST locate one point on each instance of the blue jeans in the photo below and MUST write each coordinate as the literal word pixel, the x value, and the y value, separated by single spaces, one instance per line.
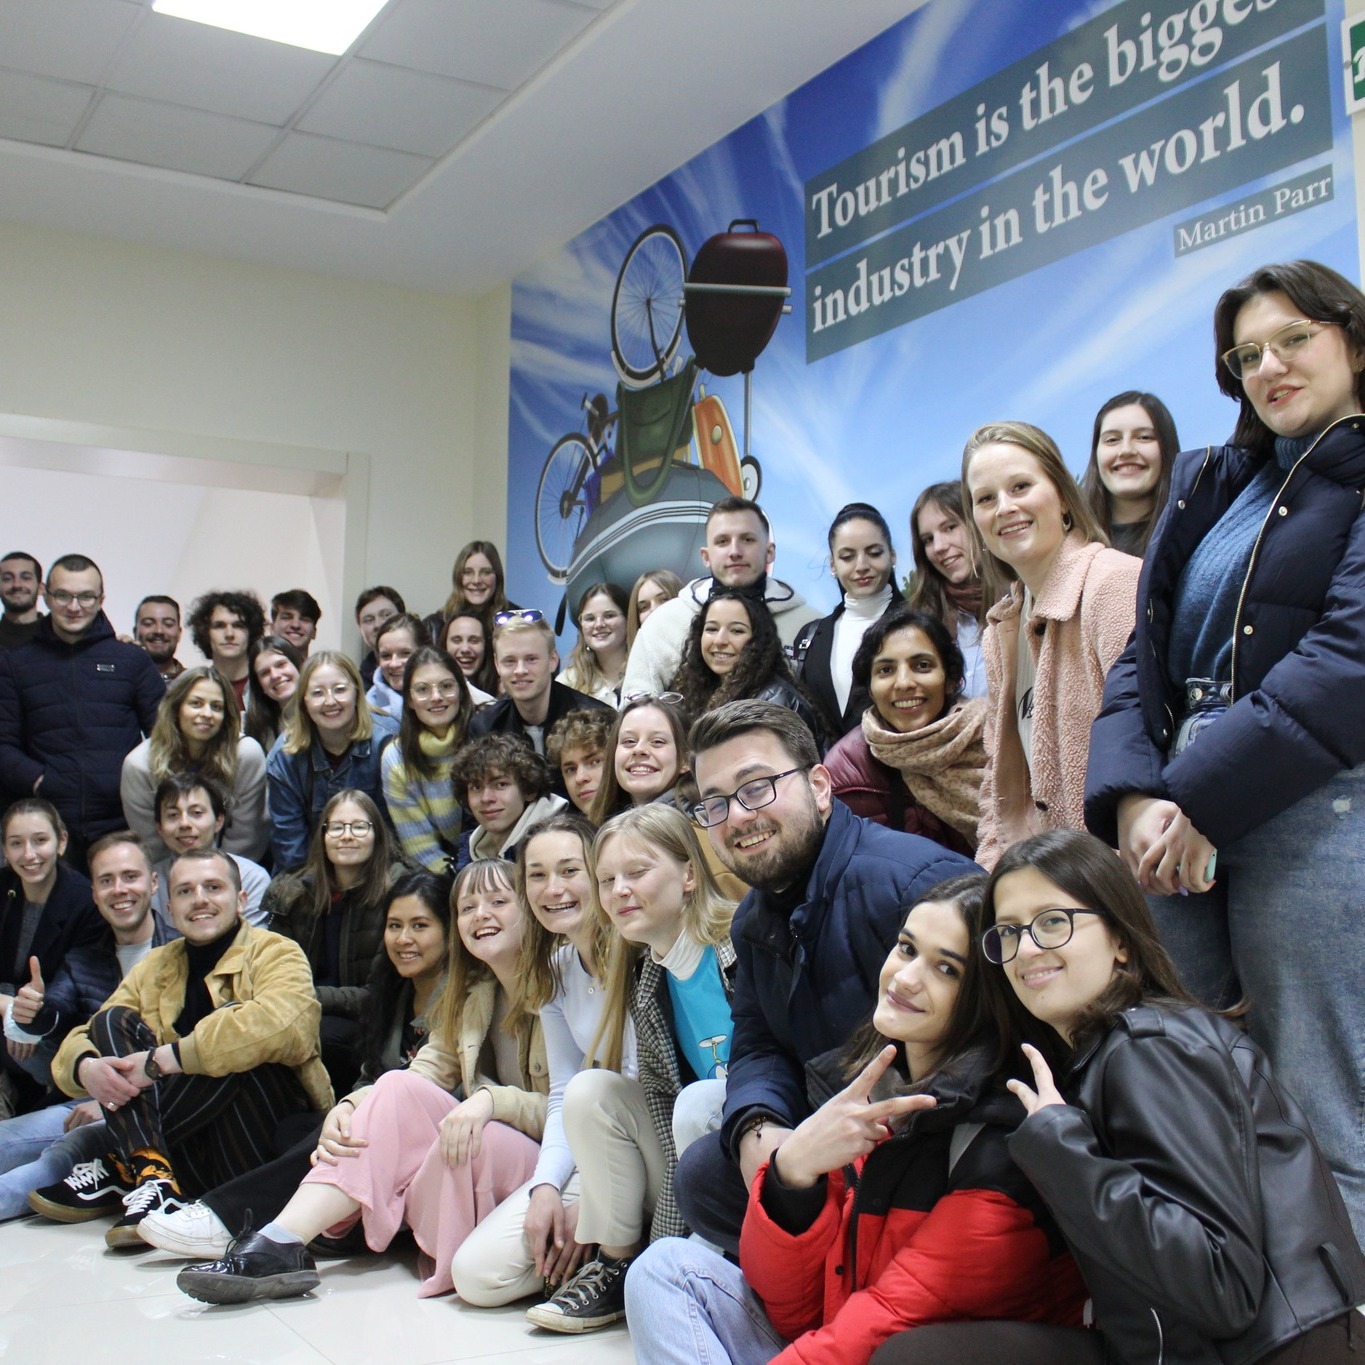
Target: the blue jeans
pixel 52 1164
pixel 690 1306
pixel 23 1137
pixel 1284 925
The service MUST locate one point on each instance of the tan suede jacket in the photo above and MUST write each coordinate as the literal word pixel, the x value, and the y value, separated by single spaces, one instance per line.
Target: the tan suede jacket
pixel 264 1010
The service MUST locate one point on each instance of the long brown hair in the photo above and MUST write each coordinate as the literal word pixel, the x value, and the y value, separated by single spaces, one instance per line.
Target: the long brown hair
pixel 318 871
pixel 455 603
pixel 169 751
pixel 610 798
pixel 410 728
pixel 464 971
pixel 1092 485
pixel 927 590
pixel 582 671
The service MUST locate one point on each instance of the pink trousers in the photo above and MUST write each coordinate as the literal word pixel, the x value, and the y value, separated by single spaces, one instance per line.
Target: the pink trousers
pixel 401 1179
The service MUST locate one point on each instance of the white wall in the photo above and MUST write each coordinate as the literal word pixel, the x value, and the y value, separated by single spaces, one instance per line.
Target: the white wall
pixel 395 401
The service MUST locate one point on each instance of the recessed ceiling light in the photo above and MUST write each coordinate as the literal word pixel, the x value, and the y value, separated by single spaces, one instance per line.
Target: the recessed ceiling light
pixel 323 25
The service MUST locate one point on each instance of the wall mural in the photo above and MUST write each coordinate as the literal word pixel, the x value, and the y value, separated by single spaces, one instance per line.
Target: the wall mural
pixel 1010 210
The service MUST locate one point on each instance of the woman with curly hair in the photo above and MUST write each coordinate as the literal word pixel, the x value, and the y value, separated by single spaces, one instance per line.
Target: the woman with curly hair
pixel 198 730
pixel 734 653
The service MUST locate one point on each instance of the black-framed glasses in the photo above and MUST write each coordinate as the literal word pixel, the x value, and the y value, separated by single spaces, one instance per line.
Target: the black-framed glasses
pixel 1048 929
pixel 59 598
pixel 1283 344
pixel 756 793
pixel 357 829
pixel 526 615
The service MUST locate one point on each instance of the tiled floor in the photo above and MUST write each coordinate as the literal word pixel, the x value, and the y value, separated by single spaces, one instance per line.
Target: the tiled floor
pixel 64 1298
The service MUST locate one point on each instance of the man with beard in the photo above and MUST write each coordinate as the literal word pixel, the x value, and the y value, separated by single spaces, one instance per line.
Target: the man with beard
pixel 21 576
pixel 205 1047
pixel 810 938
pixel 156 627
pixel 738 553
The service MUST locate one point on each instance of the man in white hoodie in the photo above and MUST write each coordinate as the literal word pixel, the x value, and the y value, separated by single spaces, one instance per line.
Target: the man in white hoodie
pixel 738 553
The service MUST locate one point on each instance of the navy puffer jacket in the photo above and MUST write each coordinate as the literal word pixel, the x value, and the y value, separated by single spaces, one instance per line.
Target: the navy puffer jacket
pixel 805 981
pixel 1298 661
pixel 70 714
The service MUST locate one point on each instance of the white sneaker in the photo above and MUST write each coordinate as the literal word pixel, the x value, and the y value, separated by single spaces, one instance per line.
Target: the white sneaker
pixel 191 1230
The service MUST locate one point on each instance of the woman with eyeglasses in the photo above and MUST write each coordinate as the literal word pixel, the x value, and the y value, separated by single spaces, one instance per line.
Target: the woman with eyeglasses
pixel 198 729
pixel 1182 1174
pixel 331 743
pixel 863 562
pixel 894 1206
pixel 1065 616
pixel 598 661
pixel 1228 757
pixel 477 583
pixel 416 767
pixel 333 908
pixel 1128 479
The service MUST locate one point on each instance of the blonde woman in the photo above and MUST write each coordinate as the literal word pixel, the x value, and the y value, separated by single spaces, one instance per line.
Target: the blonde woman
pixel 668 975
pixel 598 660
pixel 198 730
pixel 331 741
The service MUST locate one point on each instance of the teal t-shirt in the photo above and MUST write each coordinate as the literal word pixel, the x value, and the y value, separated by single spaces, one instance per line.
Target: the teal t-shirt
pixel 701 1017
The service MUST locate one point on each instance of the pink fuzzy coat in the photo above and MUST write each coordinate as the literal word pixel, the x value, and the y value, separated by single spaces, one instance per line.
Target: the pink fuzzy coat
pixel 1081 622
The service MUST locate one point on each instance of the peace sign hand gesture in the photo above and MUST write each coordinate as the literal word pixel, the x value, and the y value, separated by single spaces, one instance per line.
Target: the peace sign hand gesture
pixel 846 1127
pixel 1047 1092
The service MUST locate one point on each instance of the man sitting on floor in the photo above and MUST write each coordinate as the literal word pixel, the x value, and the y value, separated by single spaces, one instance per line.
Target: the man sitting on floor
pixel 205 1047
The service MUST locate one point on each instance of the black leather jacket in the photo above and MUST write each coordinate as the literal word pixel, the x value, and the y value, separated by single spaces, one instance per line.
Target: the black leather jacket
pixel 1202 1214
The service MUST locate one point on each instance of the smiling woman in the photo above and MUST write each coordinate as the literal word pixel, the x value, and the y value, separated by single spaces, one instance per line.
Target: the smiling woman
pixel 1065 618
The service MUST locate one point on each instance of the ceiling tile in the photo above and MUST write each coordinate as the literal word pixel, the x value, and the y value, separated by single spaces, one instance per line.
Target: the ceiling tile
pixel 200 67
pixel 70 39
pixel 408 111
pixel 496 42
pixel 179 139
pixel 36 110
pixel 343 171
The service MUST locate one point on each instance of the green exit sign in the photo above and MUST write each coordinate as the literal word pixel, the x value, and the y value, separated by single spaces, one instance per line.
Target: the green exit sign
pixel 1353 49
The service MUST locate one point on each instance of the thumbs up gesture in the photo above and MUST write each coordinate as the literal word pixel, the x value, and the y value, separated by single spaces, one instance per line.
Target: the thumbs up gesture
pixel 29 998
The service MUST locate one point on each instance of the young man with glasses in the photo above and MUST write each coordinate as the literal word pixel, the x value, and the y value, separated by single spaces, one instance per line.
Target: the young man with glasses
pixel 810 938
pixel 74 702
pixel 526 659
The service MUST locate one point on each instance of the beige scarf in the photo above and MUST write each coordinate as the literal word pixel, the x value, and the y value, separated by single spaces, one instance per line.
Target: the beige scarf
pixel 941 764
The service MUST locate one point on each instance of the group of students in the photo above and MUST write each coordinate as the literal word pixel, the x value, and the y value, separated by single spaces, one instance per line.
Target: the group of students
pixel 580 1051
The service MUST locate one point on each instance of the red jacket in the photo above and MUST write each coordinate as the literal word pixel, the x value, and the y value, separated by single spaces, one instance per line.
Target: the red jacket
pixel 910 1238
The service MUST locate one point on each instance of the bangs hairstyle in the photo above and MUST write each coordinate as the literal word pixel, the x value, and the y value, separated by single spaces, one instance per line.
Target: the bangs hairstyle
pixel 881 630
pixel 169 749
pixel 485 676
pixel 537 972
pixel 1087 871
pixel 663 578
pixel 582 671
pixel 464 971
pixel 996 575
pixel 410 729
pixel 455 603
pixel 385 985
pixel 320 875
pixel 299 734
pixel 1320 295
pixel 264 715
pixel 968 1025
pixel 1168 442
pixel 610 798
pixel 706 914
pixel 927 589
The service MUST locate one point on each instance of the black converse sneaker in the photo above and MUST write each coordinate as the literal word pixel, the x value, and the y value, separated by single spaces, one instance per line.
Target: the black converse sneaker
pixel 92 1190
pixel 152 1196
pixel 595 1297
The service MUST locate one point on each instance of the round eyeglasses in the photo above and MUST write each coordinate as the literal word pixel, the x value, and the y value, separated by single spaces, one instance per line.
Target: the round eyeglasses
pixel 357 829
pixel 1048 929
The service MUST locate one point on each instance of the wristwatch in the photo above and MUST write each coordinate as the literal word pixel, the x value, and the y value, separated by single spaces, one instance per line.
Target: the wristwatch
pixel 150 1067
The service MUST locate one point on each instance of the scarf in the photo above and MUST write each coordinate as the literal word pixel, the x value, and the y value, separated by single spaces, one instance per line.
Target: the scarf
pixel 438 746
pixel 964 597
pixel 941 763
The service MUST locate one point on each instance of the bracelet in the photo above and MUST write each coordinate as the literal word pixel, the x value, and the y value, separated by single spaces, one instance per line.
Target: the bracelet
pixel 753 1124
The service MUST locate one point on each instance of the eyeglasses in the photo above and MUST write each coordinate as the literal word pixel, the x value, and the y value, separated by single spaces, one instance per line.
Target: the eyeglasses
pixel 358 829
pixel 653 699
pixel 1048 929
pixel 527 615
pixel 59 598
pixel 338 692
pixel 425 691
pixel 753 795
pixel 1284 345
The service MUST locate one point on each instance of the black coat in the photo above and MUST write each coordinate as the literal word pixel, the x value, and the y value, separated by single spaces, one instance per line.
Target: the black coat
pixel 502 717
pixel 812 651
pixel 69 920
pixel 1202 1214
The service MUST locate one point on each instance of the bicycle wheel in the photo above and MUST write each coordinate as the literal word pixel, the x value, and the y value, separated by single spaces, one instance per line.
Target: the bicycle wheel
pixel 561 503
pixel 647 306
